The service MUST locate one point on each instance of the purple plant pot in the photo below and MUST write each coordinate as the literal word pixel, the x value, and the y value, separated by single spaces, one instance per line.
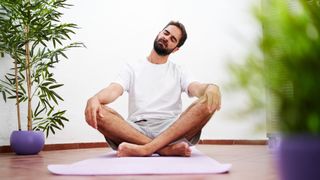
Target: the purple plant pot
pixel 27 142
pixel 299 158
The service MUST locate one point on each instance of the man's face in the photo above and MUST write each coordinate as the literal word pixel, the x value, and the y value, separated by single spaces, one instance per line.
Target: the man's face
pixel 167 40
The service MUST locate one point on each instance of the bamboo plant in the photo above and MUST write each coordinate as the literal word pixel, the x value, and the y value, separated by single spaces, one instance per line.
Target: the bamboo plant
pixel 32 35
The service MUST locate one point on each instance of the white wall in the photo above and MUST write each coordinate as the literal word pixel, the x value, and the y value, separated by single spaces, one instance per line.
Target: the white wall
pixel 119 30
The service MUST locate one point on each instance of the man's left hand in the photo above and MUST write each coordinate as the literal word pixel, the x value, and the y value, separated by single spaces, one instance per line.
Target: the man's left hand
pixel 212 97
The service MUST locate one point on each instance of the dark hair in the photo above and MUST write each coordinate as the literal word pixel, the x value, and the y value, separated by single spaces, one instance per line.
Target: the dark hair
pixel 182 29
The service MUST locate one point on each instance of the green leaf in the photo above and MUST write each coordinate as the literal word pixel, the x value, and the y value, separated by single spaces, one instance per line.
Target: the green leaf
pixel 40 111
pixel 37 118
pixel 9 80
pixel 4 96
pixel 11 97
pixel 59 113
pixel 53 97
pixel 56 95
pixel 52 130
pixel 55 86
pixel 44 44
pixel 56 57
pixel 54 42
pixel 47 132
pixel 60 122
pixel 64 55
pixel 46 83
pixel 59 41
pixel 55 126
pixel 49 113
pixel 22 88
pixel 36 110
pixel 46 103
pixel 64 118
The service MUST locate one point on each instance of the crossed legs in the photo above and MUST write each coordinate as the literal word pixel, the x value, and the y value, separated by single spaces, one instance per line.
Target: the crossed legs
pixel 115 128
pixel 134 143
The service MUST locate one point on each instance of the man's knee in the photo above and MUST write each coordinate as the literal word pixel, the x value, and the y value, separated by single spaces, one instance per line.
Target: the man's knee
pixel 104 116
pixel 105 110
pixel 203 109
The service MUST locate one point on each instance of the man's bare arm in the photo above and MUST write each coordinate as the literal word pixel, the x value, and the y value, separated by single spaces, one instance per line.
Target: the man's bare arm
pixel 109 94
pixel 105 96
pixel 209 93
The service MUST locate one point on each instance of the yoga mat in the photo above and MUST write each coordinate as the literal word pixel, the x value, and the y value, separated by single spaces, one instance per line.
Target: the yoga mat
pixel 110 164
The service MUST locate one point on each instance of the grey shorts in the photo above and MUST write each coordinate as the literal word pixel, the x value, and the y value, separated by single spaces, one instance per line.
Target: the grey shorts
pixel 153 128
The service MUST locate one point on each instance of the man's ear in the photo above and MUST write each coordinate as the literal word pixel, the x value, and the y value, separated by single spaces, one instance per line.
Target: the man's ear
pixel 175 49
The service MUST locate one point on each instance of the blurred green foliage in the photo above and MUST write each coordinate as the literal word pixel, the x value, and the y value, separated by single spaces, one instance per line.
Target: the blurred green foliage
pixel 286 65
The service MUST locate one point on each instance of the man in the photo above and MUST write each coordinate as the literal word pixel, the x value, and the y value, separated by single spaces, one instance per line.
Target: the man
pixel 154 124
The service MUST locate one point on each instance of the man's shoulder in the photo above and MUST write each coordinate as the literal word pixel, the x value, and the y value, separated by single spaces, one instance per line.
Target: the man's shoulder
pixel 135 63
pixel 176 66
pixel 132 64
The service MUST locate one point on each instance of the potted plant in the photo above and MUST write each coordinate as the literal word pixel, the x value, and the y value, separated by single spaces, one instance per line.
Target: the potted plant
pixel 32 35
pixel 287 65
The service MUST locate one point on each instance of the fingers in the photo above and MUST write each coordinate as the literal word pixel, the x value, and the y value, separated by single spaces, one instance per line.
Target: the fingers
pixel 91 118
pixel 210 101
pixel 88 115
pixel 94 119
pixel 202 99
pixel 91 113
pixel 213 101
pixel 219 102
pixel 100 112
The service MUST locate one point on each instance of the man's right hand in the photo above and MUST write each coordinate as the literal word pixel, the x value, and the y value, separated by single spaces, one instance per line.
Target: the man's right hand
pixel 93 109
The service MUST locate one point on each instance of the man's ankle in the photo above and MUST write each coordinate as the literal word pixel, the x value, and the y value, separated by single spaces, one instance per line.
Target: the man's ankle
pixel 149 148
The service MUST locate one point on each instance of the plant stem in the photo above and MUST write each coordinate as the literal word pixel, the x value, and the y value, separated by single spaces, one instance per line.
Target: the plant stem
pixel 27 48
pixel 17 97
pixel 38 86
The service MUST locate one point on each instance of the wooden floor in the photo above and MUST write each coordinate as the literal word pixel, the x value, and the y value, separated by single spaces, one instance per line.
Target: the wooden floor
pixel 250 162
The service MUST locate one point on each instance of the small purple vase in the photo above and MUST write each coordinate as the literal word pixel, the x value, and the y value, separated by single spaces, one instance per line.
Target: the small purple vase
pixel 299 157
pixel 27 142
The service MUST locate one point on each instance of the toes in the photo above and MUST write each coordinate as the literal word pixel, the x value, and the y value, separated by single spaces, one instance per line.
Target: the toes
pixel 119 152
pixel 186 149
pixel 121 147
pixel 188 152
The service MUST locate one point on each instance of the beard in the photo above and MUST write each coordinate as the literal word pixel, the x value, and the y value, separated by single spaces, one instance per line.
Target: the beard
pixel 160 47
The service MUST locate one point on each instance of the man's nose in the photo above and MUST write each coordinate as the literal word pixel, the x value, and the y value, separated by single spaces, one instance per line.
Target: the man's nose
pixel 166 38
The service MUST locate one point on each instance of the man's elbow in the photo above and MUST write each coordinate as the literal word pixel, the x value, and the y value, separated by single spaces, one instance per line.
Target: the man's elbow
pixel 194 90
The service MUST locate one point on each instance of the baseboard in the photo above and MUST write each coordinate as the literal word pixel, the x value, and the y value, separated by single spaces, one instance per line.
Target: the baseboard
pixel 52 147
pixel 233 142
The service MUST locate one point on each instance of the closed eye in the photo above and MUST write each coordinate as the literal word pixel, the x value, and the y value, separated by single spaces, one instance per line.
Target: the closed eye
pixel 172 38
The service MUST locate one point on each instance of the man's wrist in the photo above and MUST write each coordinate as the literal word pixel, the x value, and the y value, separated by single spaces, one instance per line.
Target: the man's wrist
pixel 95 97
pixel 213 85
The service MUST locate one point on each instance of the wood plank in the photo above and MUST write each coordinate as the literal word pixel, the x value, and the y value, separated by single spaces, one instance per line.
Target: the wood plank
pixel 51 147
pixel 248 162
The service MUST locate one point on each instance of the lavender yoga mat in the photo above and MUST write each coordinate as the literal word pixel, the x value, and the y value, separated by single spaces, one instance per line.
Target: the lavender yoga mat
pixel 110 164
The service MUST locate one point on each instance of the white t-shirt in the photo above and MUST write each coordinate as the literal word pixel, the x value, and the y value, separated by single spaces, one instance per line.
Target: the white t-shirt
pixel 154 89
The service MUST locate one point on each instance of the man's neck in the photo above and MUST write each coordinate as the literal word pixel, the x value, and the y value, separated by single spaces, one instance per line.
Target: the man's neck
pixel 156 58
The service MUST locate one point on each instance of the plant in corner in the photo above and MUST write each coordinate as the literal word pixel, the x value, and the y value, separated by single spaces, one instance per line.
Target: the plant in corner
pixel 32 35
pixel 288 64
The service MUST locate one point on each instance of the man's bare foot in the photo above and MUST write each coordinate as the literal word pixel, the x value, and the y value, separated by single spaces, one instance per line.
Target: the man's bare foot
pixel 127 149
pixel 179 149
